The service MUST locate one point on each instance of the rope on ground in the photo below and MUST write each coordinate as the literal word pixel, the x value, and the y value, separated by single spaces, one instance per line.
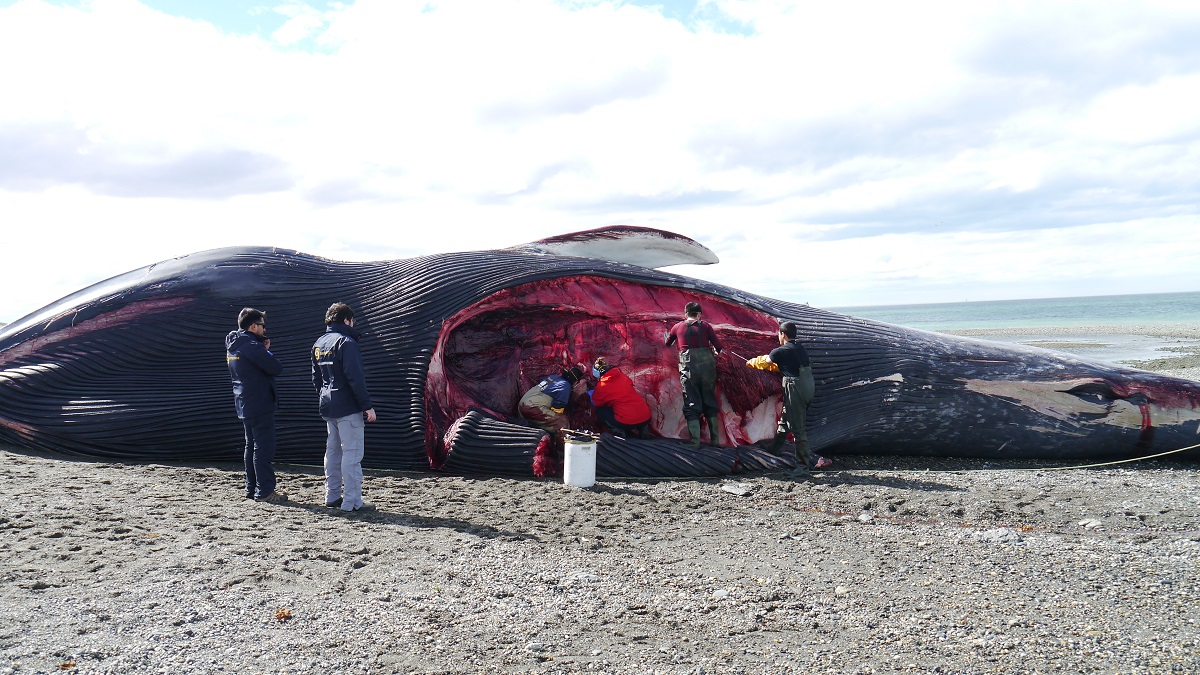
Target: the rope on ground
pixel 833 471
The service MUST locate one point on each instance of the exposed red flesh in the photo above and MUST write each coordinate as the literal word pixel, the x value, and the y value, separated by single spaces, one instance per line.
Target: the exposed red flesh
pixel 489 354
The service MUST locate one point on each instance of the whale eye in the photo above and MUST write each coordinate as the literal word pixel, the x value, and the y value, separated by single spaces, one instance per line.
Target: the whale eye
pixel 1094 392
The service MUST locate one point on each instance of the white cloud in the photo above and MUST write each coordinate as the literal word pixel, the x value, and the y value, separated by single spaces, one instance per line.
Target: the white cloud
pixel 1162 112
pixel 910 152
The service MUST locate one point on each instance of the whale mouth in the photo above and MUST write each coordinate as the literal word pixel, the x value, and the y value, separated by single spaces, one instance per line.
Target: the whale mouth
pixel 490 353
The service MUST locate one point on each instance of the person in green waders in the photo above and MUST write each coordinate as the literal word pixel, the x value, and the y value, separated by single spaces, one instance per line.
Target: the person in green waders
pixel 791 361
pixel 698 346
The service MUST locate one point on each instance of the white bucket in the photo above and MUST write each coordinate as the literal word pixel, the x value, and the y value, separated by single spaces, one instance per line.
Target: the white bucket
pixel 579 463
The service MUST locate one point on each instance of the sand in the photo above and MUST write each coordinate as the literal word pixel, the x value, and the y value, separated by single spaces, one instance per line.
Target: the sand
pixel 1180 349
pixel 885 565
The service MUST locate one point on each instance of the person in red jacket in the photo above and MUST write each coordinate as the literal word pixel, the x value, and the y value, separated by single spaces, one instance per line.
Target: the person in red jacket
pixel 618 405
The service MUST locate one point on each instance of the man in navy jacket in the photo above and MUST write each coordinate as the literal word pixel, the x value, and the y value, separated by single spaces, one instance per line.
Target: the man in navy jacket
pixel 341 385
pixel 253 368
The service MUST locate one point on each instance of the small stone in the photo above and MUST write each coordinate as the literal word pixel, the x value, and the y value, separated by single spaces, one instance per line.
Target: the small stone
pixel 739 489
pixel 720 594
pixel 841 590
pixel 865 517
pixel 535 647
pixel 1090 523
pixel 999 535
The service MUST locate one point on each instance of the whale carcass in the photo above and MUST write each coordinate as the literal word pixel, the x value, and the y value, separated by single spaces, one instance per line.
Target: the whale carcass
pixel 133 367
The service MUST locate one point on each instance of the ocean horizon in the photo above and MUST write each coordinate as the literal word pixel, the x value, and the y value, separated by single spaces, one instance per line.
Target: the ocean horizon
pixel 1097 310
pixel 1135 311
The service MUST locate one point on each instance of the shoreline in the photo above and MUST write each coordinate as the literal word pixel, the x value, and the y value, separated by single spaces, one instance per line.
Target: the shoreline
pixel 1165 330
pixel 1179 348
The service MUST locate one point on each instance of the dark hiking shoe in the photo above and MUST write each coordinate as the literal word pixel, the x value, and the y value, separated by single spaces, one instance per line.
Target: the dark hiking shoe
pixel 335 503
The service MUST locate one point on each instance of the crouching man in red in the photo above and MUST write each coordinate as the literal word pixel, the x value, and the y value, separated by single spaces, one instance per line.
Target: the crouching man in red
pixel 618 405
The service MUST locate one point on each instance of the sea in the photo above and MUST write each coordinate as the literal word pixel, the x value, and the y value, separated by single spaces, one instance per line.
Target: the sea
pixel 1106 310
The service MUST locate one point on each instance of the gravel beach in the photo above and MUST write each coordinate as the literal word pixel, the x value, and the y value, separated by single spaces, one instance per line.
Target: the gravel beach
pixel 884 565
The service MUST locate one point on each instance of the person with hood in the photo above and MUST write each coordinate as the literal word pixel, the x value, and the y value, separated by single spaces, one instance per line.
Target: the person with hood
pixel 545 404
pixel 698 347
pixel 254 368
pixel 345 405
pixel 618 404
pixel 791 361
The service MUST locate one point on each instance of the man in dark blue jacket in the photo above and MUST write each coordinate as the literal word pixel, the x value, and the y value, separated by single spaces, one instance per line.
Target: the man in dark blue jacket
pixel 253 368
pixel 337 375
pixel 545 404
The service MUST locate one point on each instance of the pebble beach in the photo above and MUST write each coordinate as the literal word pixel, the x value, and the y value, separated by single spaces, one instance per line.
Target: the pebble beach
pixel 883 565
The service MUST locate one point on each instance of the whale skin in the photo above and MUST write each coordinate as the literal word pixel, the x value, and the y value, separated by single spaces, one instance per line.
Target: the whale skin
pixel 133 368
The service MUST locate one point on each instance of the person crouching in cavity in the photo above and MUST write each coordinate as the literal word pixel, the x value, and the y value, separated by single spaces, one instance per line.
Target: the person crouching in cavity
pixel 618 405
pixel 545 404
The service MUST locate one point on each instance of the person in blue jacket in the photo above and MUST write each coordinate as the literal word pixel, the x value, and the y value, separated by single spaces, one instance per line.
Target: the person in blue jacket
pixel 254 368
pixel 345 405
pixel 545 404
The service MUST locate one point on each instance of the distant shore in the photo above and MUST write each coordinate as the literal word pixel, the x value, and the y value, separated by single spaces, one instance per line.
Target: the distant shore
pixel 1181 359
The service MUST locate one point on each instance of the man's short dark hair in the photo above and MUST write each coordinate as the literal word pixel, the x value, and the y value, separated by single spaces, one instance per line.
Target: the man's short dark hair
pixel 250 316
pixel 338 312
pixel 691 309
pixel 788 329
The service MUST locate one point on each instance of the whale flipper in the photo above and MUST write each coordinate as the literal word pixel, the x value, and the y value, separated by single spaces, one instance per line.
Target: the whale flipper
pixel 642 246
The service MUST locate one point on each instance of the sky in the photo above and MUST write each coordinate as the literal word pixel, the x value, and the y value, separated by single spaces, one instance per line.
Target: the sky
pixel 840 154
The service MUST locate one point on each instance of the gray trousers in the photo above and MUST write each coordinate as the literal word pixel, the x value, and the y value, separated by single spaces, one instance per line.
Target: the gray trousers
pixel 343 460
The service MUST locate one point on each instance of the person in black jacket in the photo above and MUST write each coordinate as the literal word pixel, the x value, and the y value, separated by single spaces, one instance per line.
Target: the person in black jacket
pixel 337 375
pixel 253 368
pixel 791 360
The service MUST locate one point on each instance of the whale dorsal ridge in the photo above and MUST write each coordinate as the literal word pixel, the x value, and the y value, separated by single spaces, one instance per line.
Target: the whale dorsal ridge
pixel 642 246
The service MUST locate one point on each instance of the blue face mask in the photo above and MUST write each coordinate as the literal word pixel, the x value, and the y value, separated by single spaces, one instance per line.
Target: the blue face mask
pixel 595 373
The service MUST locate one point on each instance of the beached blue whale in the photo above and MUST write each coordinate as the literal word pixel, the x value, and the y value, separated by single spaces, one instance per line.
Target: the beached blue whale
pixel 133 367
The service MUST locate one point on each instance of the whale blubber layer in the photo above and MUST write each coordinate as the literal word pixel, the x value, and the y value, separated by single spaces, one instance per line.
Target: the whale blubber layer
pixel 489 354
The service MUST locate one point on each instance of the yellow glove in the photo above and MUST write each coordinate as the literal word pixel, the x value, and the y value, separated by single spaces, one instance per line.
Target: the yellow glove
pixel 559 410
pixel 763 363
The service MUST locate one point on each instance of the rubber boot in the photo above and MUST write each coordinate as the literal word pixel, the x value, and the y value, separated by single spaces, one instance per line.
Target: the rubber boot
pixel 694 430
pixel 777 443
pixel 803 460
pixel 714 431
